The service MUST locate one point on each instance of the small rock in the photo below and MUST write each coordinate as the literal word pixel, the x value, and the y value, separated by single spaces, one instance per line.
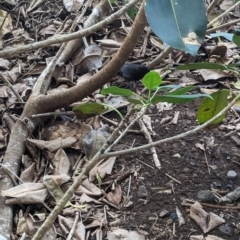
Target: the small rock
pixel 226 229
pixel 142 191
pixel 215 185
pixel 228 158
pixel 229 187
pixel 231 174
pixel 173 216
pixel 164 213
pixel 205 196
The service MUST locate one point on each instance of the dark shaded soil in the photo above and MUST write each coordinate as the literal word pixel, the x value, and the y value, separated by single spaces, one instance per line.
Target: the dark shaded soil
pixel 189 168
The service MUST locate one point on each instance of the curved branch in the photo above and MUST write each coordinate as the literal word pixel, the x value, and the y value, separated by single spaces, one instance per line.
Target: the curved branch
pixel 137 28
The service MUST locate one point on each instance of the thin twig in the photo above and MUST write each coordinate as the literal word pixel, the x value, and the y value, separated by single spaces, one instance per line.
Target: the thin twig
pixel 223 26
pixel 174 179
pixel 170 139
pixel 11 87
pixel 160 57
pixel 65 38
pixel 70 235
pixel 149 139
pixel 211 206
pixel 212 5
pixel 223 14
pixel 11 174
pixel 129 186
pixel 54 114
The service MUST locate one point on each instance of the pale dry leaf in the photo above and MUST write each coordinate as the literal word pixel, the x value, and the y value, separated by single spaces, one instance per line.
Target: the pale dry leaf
pixel 197 237
pixel 34 223
pixel 209 74
pixel 212 237
pixel 21 225
pixel 86 199
pixel 118 233
pixel 49 30
pixel 80 231
pixel 214 221
pixel 73 6
pixel 200 146
pixel 65 224
pixel 3 92
pixel 75 130
pixel 102 169
pixel 61 162
pixel 89 188
pixel 116 102
pixel 28 174
pixel 90 60
pixel 115 196
pixel 53 145
pixel 95 223
pixel 6 21
pixel 4 64
pixel 199 216
pixel 26 193
pixel 109 43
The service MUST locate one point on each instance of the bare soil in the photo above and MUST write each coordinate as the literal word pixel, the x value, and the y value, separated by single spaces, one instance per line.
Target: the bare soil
pixel 186 163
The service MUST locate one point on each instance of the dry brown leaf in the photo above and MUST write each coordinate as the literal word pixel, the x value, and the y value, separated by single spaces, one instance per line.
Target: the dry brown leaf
pixel 102 169
pixel 28 174
pixel 115 196
pixel 86 199
pixel 214 221
pixel 76 130
pixel 199 216
pixel 35 221
pixel 89 188
pixel 73 6
pixel 90 59
pixel 118 233
pixel 53 145
pixel 109 43
pixel 26 193
pixel 61 162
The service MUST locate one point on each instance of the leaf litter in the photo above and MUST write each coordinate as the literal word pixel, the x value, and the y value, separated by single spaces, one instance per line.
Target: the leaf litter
pixel 57 152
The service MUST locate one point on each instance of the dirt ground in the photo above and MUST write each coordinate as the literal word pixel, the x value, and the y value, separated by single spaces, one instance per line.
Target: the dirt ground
pixel 186 163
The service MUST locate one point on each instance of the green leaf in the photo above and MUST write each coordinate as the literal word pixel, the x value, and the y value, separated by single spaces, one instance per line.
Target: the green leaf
pixel 116 91
pixel 181 91
pixel 180 24
pixel 132 12
pixel 177 98
pixel 151 80
pixel 134 101
pixel 170 86
pixel 192 66
pixel 210 108
pixel 90 108
pixel 236 39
